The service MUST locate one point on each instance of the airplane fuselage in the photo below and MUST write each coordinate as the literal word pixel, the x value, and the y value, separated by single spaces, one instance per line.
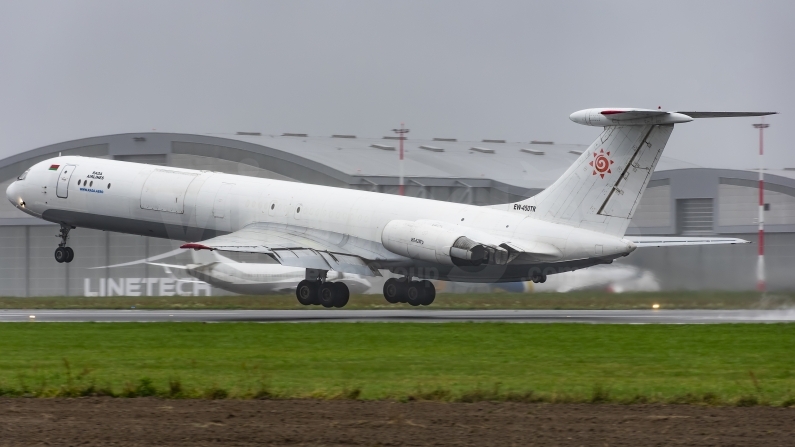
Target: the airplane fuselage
pixel 189 205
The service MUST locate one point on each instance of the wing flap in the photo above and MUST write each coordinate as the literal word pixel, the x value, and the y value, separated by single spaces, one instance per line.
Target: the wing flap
pixel 300 257
pixel 294 247
pixel 347 263
pixel 654 241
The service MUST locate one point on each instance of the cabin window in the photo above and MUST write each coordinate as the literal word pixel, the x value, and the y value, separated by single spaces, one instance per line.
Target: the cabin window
pixel 92 183
pixel 108 185
pixel 78 183
pixel 298 210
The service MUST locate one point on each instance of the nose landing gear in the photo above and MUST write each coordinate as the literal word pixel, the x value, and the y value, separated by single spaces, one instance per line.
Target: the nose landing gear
pixel 64 253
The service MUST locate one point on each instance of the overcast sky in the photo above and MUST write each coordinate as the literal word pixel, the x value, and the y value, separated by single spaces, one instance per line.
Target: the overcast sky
pixel 471 70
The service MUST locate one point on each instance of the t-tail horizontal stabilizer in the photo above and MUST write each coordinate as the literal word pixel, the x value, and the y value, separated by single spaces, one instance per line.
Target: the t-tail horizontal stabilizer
pixel 621 116
pixel 656 241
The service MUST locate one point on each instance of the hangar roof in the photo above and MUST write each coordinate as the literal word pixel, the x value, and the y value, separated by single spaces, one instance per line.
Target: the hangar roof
pixel 526 165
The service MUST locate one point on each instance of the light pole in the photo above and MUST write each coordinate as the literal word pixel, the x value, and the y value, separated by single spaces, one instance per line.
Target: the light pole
pixel 760 263
pixel 401 136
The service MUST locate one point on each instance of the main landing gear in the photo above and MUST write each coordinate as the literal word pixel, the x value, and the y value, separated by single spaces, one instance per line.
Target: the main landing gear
pixel 64 253
pixel 321 292
pixel 415 293
pixel 538 278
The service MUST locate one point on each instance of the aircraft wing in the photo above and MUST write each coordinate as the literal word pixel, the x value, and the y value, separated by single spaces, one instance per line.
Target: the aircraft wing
pixel 655 241
pixel 169 266
pixel 295 247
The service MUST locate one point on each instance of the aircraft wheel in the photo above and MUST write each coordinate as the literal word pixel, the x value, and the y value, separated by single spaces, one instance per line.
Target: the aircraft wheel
pixel 415 293
pixel 306 292
pixel 402 286
pixel 341 294
pixel 70 254
pixel 393 290
pixel 429 291
pixel 61 255
pixel 327 294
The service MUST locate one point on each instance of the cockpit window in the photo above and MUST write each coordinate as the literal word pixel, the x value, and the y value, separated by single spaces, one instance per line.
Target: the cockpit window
pixel 24 174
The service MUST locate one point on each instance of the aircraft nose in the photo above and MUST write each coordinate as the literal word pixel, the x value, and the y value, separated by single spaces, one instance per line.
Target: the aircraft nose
pixel 12 193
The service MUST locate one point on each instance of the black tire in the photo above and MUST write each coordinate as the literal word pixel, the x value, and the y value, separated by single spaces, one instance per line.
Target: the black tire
pixel 70 254
pixel 415 293
pixel 327 295
pixel 306 292
pixel 61 255
pixel 402 285
pixel 342 294
pixel 392 290
pixel 430 292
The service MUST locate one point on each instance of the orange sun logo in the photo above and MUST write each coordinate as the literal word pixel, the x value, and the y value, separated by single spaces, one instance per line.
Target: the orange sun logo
pixel 601 164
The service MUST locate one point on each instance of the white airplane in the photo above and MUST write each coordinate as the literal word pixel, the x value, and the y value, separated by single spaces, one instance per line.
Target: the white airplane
pixel 254 278
pixel 578 222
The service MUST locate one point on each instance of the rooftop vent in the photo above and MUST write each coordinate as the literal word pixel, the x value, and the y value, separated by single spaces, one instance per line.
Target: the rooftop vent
pixel 494 141
pixel 532 151
pixel 541 142
pixel 576 152
pixel 139 139
pixel 445 139
pixel 294 135
pixel 254 134
pixel 431 148
pixel 343 136
pixel 482 150
pixel 383 147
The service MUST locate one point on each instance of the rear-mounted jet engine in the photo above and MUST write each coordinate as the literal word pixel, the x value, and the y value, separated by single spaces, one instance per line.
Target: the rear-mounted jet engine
pixel 434 243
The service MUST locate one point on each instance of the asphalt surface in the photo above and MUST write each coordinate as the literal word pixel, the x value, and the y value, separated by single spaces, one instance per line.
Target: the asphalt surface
pixel 407 315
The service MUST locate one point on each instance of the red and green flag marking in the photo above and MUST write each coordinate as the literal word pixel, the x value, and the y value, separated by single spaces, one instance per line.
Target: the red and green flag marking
pixel 54 167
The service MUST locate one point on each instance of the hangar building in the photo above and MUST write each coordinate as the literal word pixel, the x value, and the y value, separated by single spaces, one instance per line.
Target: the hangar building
pixel 681 199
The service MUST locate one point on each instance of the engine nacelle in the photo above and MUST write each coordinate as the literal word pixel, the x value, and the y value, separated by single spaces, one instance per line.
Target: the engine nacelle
pixel 442 243
pixel 434 243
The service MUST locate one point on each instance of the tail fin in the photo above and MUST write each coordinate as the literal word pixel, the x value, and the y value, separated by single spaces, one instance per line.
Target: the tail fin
pixel 602 189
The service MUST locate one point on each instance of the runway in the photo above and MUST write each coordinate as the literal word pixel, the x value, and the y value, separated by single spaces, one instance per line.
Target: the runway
pixel 405 316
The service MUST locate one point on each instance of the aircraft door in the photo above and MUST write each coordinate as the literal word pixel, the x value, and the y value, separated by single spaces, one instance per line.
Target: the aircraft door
pixel 62 189
pixel 222 200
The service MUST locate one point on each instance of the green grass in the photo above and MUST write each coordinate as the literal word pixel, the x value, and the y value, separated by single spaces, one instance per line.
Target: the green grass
pixel 741 364
pixel 574 300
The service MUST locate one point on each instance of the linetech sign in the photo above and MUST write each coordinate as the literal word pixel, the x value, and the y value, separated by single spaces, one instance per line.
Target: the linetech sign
pixel 144 287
